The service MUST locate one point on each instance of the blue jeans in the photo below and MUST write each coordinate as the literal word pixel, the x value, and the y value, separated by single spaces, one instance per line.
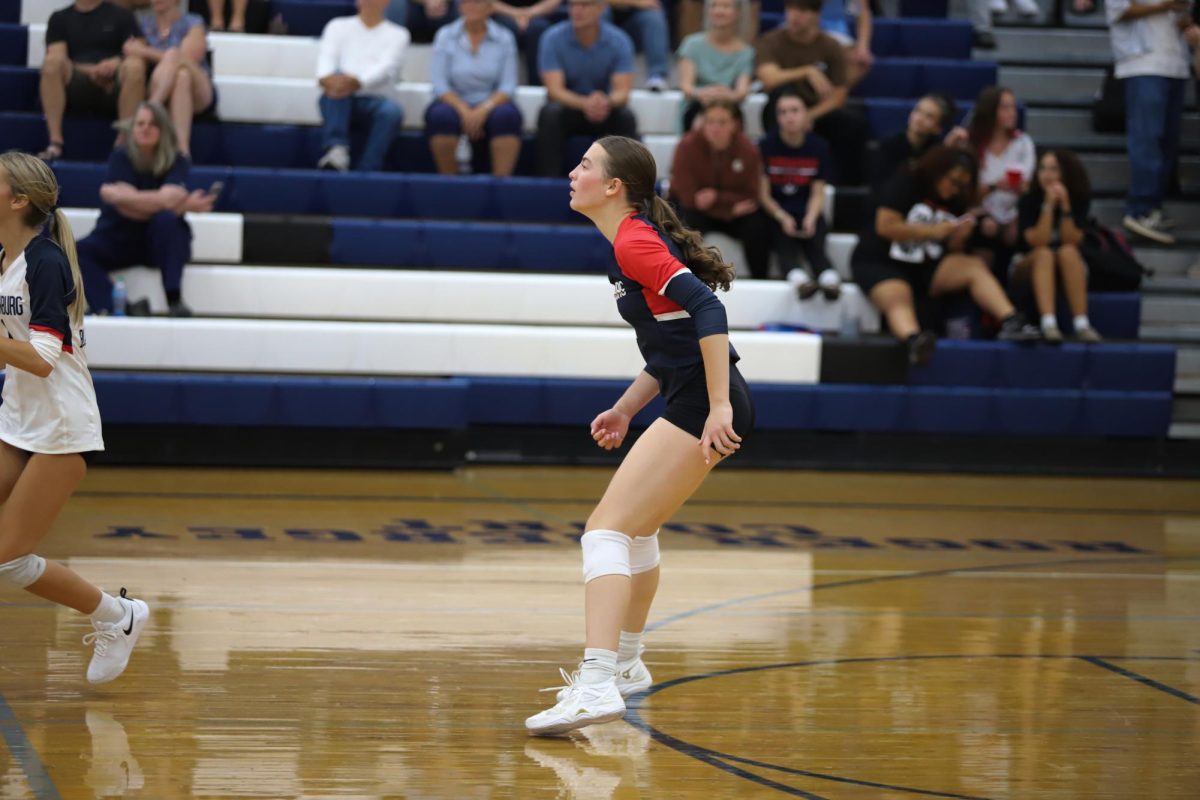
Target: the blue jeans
pixel 1153 116
pixel 648 27
pixel 382 115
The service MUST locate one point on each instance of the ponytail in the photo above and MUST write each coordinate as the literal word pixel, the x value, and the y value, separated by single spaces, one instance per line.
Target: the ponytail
pixel 60 232
pixel 702 259
pixel 629 161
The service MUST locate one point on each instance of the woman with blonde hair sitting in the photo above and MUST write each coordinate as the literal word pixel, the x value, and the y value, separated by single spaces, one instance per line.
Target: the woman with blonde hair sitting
pixel 142 203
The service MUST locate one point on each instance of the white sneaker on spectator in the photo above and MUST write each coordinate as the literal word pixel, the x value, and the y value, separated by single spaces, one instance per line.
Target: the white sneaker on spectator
pixel 584 704
pixel 114 641
pixel 1149 225
pixel 1028 8
pixel 336 158
pixel 998 6
pixel 657 84
pixel 831 284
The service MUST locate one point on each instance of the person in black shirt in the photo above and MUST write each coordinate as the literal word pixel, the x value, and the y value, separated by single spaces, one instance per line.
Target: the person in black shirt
pixel 85 69
pixel 1051 218
pixel 914 249
pixel 798 166
pixel 927 123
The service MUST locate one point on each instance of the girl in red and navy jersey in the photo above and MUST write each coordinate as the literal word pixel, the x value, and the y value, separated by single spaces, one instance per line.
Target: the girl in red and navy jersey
pixel 664 282
pixel 49 416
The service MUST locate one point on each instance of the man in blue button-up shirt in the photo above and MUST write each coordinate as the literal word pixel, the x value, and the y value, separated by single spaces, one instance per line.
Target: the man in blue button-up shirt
pixel 587 69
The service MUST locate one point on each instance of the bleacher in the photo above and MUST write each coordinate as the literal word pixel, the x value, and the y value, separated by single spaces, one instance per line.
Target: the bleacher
pixel 406 300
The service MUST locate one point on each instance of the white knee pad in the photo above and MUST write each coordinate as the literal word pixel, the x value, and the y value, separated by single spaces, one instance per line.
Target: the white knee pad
pixel 23 571
pixel 643 553
pixel 605 553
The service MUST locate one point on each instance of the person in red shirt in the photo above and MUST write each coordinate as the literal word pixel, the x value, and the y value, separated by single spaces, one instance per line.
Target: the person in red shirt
pixel 715 181
pixel 664 281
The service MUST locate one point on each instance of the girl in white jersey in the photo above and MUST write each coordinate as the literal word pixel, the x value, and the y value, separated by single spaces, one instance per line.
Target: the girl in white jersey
pixel 49 415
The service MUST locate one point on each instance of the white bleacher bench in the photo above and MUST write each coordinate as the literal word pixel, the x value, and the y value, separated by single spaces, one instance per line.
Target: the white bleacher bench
pixel 271 79
pixel 477 297
pixel 412 349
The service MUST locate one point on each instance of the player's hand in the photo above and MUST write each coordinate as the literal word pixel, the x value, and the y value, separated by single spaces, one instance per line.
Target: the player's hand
pixel 609 429
pixel 718 433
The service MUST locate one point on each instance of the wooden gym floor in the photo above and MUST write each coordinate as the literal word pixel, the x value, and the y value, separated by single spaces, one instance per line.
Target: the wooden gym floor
pixel 372 634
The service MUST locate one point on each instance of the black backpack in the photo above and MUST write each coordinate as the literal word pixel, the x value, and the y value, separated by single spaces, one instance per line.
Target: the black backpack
pixel 1110 260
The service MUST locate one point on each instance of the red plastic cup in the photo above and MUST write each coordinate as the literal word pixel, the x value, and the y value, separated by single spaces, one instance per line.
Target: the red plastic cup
pixel 1014 179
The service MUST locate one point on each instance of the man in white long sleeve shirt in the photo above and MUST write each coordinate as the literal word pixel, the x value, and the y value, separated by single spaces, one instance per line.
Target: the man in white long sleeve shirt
pixel 358 68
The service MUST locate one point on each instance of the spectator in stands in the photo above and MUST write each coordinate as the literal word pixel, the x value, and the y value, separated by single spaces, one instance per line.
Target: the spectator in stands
pixel 798 167
pixel 927 123
pixel 980 14
pixel 142 203
pixel 85 68
pixel 181 79
pixel 358 68
pixel 474 74
pixel 528 20
pixel 690 14
pixel 237 15
pixel 422 18
pixel 1007 160
pixel 587 68
pixel 715 64
pixel 716 176
pixel 136 6
pixel 646 22
pixel 915 248
pixel 835 21
pixel 799 56
pixel 1152 61
pixel 1052 218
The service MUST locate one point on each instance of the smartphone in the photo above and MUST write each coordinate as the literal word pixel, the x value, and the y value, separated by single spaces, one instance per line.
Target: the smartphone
pixel 216 188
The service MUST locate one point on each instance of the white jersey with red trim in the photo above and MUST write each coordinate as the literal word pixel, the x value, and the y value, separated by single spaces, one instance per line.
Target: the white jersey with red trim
pixel 56 414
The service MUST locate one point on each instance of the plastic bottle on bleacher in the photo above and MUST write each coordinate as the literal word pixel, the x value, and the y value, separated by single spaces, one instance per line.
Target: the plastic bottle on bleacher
pixel 119 297
pixel 462 154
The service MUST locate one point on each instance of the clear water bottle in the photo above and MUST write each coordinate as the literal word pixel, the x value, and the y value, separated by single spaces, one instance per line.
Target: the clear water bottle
pixel 462 154
pixel 119 298
pixel 847 322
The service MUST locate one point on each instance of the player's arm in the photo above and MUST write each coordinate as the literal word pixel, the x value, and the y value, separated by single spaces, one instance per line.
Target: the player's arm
pixel 24 356
pixel 643 389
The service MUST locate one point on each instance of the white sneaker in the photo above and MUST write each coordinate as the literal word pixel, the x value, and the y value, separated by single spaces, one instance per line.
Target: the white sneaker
pixel 1149 226
pixel 998 6
pixel 831 284
pixel 336 158
pixel 114 641
pixel 657 84
pixel 632 677
pixel 1028 8
pixel 584 704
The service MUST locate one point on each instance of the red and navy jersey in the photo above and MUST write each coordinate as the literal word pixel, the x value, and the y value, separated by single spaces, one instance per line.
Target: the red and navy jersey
pixel 646 262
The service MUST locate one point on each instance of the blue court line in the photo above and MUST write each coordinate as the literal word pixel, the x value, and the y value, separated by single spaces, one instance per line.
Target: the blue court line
pixel 717 758
pixel 27 758
pixel 1153 684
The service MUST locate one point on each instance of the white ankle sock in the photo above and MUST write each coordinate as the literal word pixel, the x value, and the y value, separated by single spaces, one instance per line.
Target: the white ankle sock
pixel 599 665
pixel 630 645
pixel 1049 321
pixel 110 610
pixel 1082 323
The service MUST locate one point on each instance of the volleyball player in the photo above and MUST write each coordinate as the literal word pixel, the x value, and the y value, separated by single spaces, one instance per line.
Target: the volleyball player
pixel 49 416
pixel 664 283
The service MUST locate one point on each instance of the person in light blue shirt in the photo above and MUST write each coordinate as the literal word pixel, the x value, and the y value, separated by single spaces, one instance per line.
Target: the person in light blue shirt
pixel 474 75
pixel 836 19
pixel 587 69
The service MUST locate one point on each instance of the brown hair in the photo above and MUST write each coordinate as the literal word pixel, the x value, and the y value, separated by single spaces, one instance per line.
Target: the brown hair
pixel 939 162
pixel 727 105
pixel 983 123
pixel 628 161
pixel 1074 177
pixel 29 176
